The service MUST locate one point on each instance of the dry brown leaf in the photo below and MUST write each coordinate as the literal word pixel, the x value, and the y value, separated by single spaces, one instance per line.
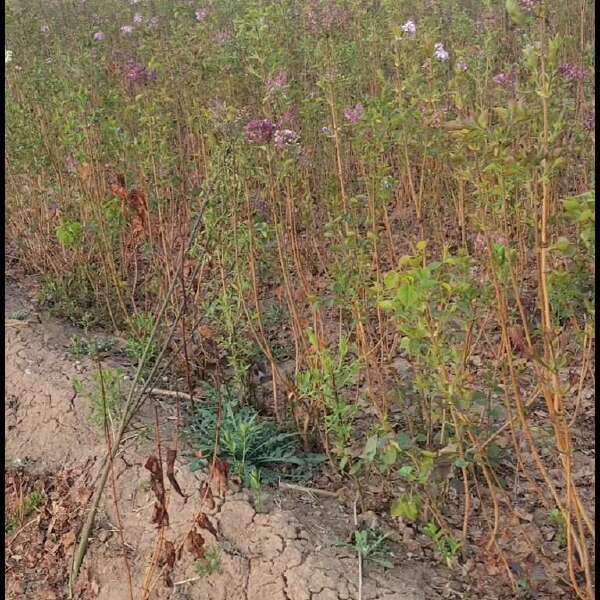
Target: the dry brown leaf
pixel 160 516
pixel 171 456
pixel 206 332
pixel 137 201
pixel 218 475
pixel 167 560
pixel 85 171
pixel 68 539
pixel 194 543
pixel 204 523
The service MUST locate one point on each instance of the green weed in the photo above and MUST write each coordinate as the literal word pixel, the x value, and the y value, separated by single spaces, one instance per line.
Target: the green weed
pixel 372 546
pixel 209 565
pixel 248 443
pixel 105 393
pixel 24 510
pixel 446 546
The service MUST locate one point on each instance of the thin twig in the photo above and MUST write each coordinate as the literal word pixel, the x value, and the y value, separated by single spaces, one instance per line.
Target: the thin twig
pixel 308 490
pixel 171 394
pixel 358 550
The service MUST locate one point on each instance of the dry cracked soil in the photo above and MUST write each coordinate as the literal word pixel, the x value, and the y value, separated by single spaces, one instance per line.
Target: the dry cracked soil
pixel 51 446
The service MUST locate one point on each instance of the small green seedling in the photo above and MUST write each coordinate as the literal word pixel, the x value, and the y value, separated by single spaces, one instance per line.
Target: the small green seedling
pixel 445 545
pixel 209 565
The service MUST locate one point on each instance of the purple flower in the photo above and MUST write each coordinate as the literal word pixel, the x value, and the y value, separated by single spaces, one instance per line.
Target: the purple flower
pixel 99 36
pixel 462 66
pixel 44 29
pixel 354 115
pixel 440 52
pixel 571 72
pixel 589 121
pixel 504 79
pixel 279 82
pixel 138 19
pixel 285 137
pixel 126 29
pixel 260 131
pixel 201 14
pixel 410 28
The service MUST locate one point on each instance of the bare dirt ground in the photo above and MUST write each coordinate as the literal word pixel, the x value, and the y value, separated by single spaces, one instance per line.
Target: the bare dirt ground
pixel 288 552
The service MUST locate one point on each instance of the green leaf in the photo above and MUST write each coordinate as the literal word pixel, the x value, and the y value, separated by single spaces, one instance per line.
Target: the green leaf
pixel 390 455
pixel 407 472
pixel 407 295
pixel 406 507
pixel 553 48
pixel 515 13
pixel 387 305
pixel 391 280
pixel 370 449
pixel 404 441
pixel 483 119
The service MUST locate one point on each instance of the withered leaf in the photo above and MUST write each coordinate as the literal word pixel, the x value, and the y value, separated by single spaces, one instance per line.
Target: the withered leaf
pixel 218 475
pixel 119 191
pixel 153 465
pixel 85 170
pixel 160 516
pixel 168 555
pixel 137 200
pixel 171 456
pixel 194 543
pixel 206 332
pixel 68 539
pixel 204 523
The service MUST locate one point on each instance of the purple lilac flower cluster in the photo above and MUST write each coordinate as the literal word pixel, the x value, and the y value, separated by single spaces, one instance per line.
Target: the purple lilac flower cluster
pixel 264 131
pixel 570 72
pixel 260 131
pixel 440 52
pixel 201 14
pixel 285 137
pixel 355 114
pixel 410 28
